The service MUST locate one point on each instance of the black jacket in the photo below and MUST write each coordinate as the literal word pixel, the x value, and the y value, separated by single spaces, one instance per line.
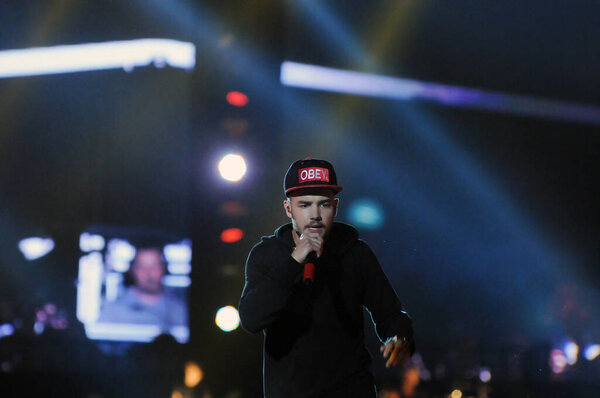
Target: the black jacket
pixel 314 338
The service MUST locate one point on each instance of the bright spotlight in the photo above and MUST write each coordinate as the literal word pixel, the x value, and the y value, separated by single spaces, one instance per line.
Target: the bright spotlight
pixel 193 374
pixel 237 98
pixel 6 330
pixel 485 375
pixel 34 248
pixel 571 351
pixel 96 56
pixel 366 213
pixel 231 235
pixel 591 352
pixel 558 361
pixel 232 167
pixel 456 394
pixel 227 318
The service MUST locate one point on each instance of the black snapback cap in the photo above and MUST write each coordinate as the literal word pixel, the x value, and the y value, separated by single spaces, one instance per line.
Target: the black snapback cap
pixel 310 173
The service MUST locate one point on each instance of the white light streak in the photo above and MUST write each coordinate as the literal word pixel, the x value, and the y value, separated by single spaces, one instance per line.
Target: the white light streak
pixel 367 84
pixel 97 56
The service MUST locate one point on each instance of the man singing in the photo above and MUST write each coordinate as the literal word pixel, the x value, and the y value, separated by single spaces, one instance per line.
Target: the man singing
pixel 313 320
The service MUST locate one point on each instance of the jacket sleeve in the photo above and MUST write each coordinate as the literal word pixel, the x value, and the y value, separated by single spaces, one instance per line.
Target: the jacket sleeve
pixel 381 301
pixel 270 276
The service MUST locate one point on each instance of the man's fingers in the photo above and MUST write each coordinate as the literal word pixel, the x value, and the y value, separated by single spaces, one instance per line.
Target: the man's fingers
pixel 387 349
pixel 398 355
pixel 391 360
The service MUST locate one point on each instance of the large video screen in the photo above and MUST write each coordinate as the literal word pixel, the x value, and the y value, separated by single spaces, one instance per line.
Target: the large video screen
pixel 133 284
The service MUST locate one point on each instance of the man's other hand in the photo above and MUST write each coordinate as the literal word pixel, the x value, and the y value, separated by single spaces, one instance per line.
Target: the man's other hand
pixel 396 351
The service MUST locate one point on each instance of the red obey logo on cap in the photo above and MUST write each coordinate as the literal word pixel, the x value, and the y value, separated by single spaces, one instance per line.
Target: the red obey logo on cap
pixel 313 174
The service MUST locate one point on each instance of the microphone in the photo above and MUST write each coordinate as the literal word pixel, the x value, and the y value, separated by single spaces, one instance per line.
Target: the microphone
pixel 309 269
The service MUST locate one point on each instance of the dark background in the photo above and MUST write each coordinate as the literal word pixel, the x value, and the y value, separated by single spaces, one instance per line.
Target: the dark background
pixel 491 220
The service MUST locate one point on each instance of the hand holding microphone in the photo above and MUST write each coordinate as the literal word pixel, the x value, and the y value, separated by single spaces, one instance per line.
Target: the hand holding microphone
pixel 308 249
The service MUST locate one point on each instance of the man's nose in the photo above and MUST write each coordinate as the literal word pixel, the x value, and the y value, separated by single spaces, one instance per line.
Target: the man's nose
pixel 315 214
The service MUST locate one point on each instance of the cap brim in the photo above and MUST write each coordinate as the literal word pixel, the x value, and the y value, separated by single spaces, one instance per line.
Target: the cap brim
pixel 335 188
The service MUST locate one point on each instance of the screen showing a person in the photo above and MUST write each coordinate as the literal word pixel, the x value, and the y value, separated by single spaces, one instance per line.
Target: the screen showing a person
pixel 133 287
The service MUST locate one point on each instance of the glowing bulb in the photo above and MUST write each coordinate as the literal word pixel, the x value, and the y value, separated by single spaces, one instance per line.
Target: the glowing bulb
pixel 237 98
pixel 227 318
pixel 193 374
pixel 571 351
pixel 232 167
pixel 485 375
pixel 34 248
pixel 558 361
pixel 592 352
pixel 456 394
pixel 367 214
pixel 232 235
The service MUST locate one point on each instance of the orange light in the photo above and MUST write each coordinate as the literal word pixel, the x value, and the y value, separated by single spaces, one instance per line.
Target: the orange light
pixel 193 374
pixel 232 235
pixel 237 98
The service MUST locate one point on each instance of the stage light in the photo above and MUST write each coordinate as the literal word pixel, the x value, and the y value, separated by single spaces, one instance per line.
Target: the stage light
pixel 236 98
pixel 34 248
pixel 456 394
pixel 97 56
pixel 366 213
pixel 558 361
pixel 227 318
pixel 91 242
pixel 176 394
pixel 591 352
pixel 350 82
pixel 6 329
pixel 193 374
pixel 231 235
pixel 232 167
pixel 38 327
pixel 485 375
pixel 571 351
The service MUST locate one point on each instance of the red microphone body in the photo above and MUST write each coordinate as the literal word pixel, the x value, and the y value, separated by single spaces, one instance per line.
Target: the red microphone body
pixel 309 268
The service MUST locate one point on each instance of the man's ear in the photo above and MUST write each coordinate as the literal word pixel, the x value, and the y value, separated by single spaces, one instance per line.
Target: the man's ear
pixel 287 205
pixel 336 201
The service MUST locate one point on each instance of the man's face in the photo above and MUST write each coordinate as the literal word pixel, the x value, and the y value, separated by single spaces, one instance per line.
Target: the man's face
pixel 148 270
pixel 311 210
